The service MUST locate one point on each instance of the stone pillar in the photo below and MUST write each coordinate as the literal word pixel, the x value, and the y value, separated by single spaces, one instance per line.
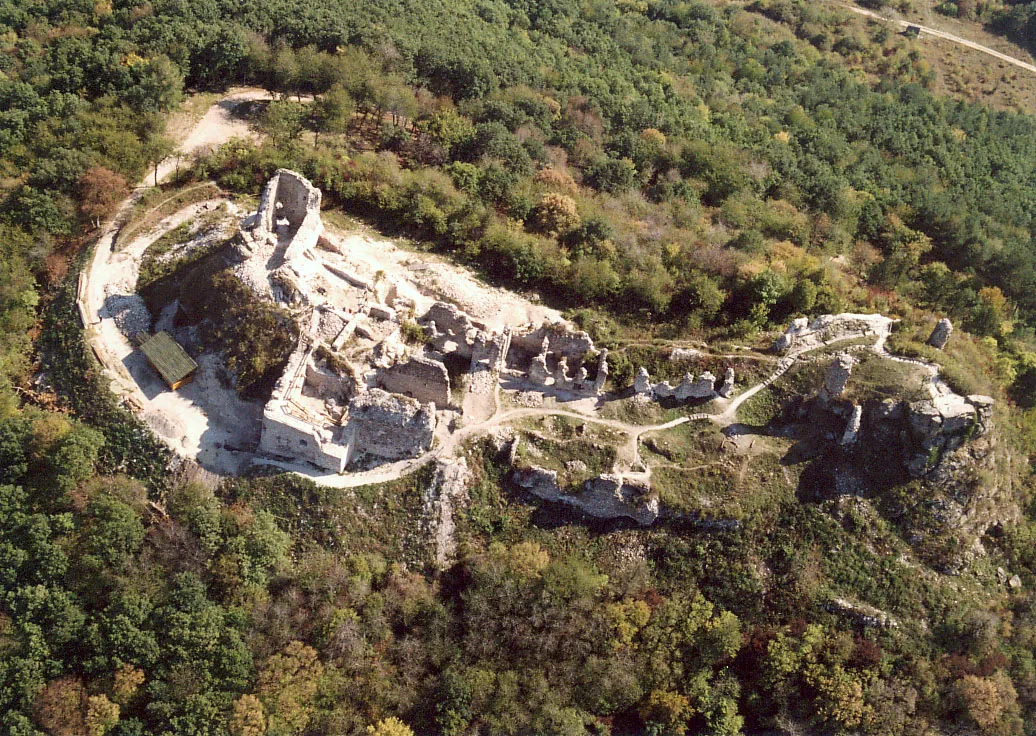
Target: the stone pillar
pixel 642 383
pixel 837 377
pixel 538 370
pixel 602 373
pixel 727 386
pixel 941 334
pixel 561 374
pixel 852 428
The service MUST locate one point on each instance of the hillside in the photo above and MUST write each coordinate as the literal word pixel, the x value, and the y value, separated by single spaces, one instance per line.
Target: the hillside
pixel 680 515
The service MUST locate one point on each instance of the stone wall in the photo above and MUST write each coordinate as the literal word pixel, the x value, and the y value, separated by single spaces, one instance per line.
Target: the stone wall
pixel 702 387
pixel 451 330
pixel 289 196
pixel 490 351
pixel 388 426
pixel 837 377
pixel 287 436
pixel 421 378
pixel 561 340
pixel 803 334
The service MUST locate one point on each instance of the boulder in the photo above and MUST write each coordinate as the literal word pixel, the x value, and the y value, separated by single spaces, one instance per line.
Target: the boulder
pixel 941 334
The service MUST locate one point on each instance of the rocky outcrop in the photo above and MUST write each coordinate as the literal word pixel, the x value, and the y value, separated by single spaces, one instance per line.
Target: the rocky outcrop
pixel 609 496
pixel 447 491
pixel 928 430
pixel 943 424
pixel 941 334
pixel 866 616
pixel 837 377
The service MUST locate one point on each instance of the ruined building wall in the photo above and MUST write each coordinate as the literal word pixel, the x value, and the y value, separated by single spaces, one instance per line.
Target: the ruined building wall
pixel 388 426
pixel 421 378
pixel 561 341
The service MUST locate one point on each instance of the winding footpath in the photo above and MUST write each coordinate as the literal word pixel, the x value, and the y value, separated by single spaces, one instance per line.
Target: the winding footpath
pixel 216 127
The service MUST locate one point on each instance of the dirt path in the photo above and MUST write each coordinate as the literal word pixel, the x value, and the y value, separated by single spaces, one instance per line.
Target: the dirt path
pixel 936 33
pixel 176 417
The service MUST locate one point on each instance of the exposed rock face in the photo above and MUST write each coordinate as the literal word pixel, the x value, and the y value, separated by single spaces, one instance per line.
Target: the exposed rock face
pixel 930 429
pixel 683 354
pixel 611 495
pixel 941 334
pixel 447 491
pixel 837 376
pixel 608 496
pixel 805 335
pixel 388 426
pixel 866 616
pixel 422 378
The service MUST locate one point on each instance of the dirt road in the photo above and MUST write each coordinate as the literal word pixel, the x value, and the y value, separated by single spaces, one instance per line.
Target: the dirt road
pixel 936 33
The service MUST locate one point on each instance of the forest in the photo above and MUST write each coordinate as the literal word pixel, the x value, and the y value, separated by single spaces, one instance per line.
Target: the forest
pixel 691 169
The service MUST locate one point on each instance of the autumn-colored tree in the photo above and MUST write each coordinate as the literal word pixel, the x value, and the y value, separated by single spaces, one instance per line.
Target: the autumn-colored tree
pixel 986 699
pixel 666 712
pixel 248 717
pixel 60 707
pixel 100 191
pixel 101 715
pixel 287 686
pixel 556 213
pixel 127 681
pixel 391 726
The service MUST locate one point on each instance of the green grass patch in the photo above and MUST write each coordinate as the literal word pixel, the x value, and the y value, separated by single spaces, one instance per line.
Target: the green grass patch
pixel 155 267
pixel 760 409
pixel 160 202
pixel 379 518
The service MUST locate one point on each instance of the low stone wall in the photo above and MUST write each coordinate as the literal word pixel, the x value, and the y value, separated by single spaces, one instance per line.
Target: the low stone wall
pixel 805 335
